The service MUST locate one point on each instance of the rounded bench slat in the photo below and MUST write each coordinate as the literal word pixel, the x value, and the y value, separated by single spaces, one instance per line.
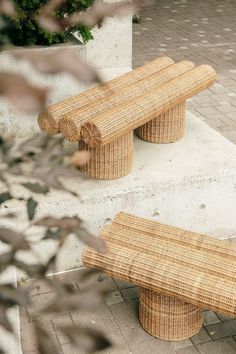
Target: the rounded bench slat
pixel 196 259
pixel 176 235
pixel 165 277
pixel 70 123
pixel 117 121
pixel 49 119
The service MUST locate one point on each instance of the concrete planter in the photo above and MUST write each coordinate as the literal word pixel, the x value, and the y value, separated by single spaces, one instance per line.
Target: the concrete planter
pixel 110 52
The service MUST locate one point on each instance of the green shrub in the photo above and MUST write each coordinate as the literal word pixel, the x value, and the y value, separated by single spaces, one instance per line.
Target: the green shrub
pixel 24 30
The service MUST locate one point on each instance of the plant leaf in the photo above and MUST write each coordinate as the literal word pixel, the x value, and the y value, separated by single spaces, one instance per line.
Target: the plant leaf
pixel 79 158
pixel 13 238
pixel 52 235
pixel 94 242
pixel 21 93
pixel 64 61
pixel 36 188
pixel 4 322
pixel 99 10
pixel 66 223
pixel 6 260
pixel 45 342
pixel 4 197
pixel 7 7
pixel 33 270
pixel 31 208
pixel 11 296
pixel 89 340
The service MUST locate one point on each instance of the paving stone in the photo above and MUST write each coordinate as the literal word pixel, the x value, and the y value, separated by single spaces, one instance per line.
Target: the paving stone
pixel 98 279
pixel 126 316
pixel 60 321
pixel 222 329
pixel 70 349
pixel 201 337
pixel 182 344
pixel 131 293
pixel 114 297
pixel 38 303
pixel 205 43
pixel 123 284
pixel 28 341
pixel 37 287
pixel 224 318
pixel 210 318
pixel 222 346
pixel 103 319
pixel 187 350
pixel 153 346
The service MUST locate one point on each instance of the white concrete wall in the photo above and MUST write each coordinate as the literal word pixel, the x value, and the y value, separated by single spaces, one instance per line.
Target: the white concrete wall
pixel 110 52
pixel 190 184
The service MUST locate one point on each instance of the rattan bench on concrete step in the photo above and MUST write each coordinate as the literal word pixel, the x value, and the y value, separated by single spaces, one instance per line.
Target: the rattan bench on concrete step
pixel 180 273
pixel 151 98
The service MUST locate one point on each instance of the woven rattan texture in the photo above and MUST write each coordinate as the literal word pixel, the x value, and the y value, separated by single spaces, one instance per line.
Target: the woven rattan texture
pixel 195 268
pixel 168 318
pixel 49 120
pixel 70 124
pixel 111 161
pixel 166 128
pixel 129 116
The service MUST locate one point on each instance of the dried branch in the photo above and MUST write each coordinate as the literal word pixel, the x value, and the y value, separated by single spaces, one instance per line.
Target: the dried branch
pixel 21 93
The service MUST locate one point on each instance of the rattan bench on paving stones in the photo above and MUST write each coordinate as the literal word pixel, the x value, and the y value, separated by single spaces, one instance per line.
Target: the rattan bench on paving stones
pixel 180 273
pixel 151 98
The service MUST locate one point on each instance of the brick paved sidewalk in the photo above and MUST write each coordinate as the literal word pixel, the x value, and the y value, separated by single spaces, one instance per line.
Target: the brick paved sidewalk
pixel 118 318
pixel 203 31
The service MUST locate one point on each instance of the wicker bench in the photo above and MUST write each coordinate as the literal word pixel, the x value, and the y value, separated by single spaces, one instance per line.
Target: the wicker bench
pixel 150 100
pixel 180 273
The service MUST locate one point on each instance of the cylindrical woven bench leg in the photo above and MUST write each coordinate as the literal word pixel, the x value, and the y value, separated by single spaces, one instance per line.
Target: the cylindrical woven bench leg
pixel 168 318
pixel 166 128
pixel 111 161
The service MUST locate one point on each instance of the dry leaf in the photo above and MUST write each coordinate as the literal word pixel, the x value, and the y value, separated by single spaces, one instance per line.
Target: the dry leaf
pixel 94 242
pixel 79 158
pixel 6 260
pixel 47 18
pixel 4 319
pixel 7 7
pixel 89 340
pixel 99 10
pixel 69 223
pixel 11 296
pixel 83 300
pixel 22 93
pixel 65 60
pixel 49 23
pixel 14 238
pixel 45 341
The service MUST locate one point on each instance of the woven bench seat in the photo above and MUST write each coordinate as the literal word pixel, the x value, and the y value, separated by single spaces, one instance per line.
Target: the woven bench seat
pixel 180 273
pixel 150 100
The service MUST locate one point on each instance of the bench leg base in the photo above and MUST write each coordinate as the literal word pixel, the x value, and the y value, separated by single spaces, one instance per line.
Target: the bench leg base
pixel 111 161
pixel 166 128
pixel 168 318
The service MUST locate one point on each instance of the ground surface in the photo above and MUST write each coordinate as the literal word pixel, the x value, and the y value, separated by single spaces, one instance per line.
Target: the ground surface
pixel 118 318
pixel 203 31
